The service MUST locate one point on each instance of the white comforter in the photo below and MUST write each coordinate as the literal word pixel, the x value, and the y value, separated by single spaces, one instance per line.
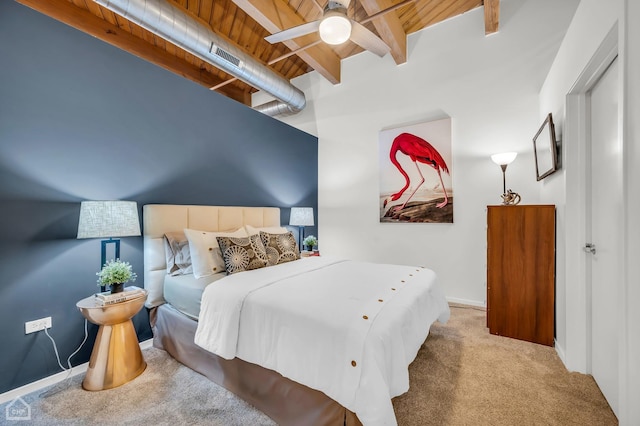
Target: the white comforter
pixel 349 329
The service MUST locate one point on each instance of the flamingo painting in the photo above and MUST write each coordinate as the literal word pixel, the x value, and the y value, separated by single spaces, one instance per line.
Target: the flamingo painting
pixel 419 151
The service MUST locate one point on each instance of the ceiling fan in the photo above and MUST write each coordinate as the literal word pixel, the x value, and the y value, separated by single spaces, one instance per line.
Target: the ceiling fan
pixel 335 27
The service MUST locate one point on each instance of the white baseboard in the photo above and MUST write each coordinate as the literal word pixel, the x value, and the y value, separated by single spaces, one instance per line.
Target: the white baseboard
pixel 560 352
pixel 466 302
pixel 146 344
pixel 52 380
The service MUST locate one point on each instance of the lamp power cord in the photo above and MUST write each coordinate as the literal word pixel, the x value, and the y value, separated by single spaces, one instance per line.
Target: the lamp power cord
pixel 64 383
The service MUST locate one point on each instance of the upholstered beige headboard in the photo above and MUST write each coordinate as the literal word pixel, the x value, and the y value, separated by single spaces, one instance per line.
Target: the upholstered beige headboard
pixel 157 219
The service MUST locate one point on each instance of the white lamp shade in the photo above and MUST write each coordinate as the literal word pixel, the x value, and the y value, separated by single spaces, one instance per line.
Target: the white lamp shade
pixel 301 216
pixel 504 158
pixel 335 28
pixel 106 219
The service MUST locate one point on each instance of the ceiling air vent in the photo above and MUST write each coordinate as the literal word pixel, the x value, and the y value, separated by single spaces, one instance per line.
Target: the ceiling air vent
pixel 225 55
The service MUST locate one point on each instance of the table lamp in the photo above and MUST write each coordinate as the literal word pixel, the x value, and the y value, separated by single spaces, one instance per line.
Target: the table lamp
pixel 301 217
pixel 503 160
pixel 108 219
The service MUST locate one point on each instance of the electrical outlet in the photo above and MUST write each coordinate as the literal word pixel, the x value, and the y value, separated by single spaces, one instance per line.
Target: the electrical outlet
pixel 37 325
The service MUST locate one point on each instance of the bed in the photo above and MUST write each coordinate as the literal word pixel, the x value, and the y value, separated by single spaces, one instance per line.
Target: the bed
pixel 314 341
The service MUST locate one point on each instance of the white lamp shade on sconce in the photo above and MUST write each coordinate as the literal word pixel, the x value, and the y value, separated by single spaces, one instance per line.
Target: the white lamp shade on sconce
pixel 504 158
pixel 301 216
pixel 106 219
pixel 335 28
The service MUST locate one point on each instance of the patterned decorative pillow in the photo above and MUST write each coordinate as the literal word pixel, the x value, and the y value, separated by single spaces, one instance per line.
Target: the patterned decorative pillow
pixel 242 254
pixel 280 248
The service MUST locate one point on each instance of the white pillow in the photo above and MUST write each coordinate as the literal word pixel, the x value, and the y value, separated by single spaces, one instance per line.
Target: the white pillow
pixel 268 229
pixel 206 257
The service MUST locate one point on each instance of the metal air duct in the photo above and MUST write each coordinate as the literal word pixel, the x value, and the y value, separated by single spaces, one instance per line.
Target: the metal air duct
pixel 168 21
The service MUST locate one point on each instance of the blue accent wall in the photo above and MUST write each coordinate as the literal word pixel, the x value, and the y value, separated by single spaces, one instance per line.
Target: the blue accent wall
pixel 83 120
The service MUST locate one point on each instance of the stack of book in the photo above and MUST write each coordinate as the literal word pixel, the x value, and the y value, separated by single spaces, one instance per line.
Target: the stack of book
pixel 108 298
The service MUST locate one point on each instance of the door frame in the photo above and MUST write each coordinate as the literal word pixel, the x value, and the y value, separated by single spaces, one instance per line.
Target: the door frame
pixel 578 286
pixel 615 167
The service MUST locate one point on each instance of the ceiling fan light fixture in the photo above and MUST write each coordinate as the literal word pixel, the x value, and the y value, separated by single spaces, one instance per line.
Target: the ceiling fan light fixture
pixel 335 28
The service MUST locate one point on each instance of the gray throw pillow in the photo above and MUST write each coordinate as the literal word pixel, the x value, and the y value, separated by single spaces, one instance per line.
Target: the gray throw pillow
pixel 178 256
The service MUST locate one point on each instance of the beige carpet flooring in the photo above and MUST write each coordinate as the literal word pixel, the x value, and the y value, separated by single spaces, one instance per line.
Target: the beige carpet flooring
pixel 465 376
pixel 462 376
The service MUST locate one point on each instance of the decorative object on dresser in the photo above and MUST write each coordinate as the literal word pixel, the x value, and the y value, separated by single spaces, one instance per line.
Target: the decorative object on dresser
pixel 102 219
pixel 521 272
pixel 116 357
pixel 301 217
pixel 545 149
pixel 509 198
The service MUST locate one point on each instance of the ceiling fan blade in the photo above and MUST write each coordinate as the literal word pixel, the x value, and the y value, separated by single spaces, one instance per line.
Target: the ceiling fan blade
pixel 294 32
pixel 364 38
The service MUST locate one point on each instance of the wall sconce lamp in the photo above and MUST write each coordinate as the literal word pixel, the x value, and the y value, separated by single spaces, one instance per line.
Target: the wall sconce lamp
pixel 102 219
pixel 301 217
pixel 509 197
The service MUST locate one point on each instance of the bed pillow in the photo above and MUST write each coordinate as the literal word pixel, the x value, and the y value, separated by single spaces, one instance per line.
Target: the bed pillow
pixel 205 252
pixel 177 253
pixel 280 248
pixel 269 229
pixel 242 254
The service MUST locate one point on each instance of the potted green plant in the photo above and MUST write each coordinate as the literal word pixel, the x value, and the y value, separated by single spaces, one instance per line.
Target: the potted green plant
pixel 310 242
pixel 114 274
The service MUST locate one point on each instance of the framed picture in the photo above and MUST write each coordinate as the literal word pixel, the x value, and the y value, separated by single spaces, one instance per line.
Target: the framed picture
pixel 415 173
pixel 544 149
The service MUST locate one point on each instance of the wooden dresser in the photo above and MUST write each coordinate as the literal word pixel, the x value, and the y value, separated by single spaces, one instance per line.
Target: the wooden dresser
pixel 521 272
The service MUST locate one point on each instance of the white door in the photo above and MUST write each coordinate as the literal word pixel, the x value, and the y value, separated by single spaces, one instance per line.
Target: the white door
pixel 605 231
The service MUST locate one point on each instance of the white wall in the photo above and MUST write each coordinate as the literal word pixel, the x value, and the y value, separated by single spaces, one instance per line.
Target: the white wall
pixel 596 23
pixel 592 22
pixel 488 86
pixel 631 51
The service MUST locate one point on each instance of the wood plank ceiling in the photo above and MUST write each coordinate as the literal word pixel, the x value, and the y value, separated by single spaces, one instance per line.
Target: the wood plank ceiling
pixel 246 23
